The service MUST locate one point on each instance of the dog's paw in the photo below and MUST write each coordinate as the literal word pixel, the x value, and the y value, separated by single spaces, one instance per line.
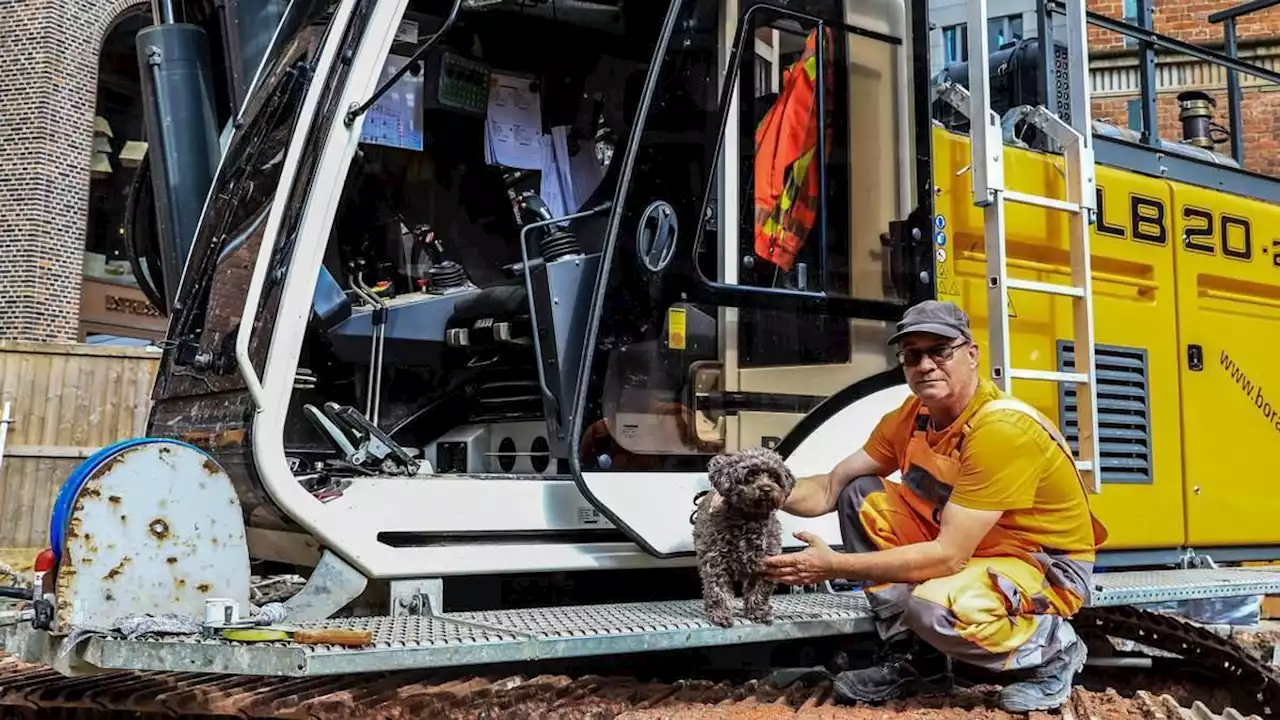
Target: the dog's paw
pixel 764 616
pixel 723 619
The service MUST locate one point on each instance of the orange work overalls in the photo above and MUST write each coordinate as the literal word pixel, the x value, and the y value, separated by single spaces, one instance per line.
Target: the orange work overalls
pixel 1007 608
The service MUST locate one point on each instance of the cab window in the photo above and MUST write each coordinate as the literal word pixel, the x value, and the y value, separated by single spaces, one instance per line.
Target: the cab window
pixel 785 238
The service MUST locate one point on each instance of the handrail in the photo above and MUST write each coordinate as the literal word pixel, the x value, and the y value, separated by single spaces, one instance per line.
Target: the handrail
pixel 1231 47
pixel 1036 266
pixel 1168 43
pixel 1239 297
pixel 1149 39
pixel 1244 9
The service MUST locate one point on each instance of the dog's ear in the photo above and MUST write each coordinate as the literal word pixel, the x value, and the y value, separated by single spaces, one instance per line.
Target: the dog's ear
pixel 787 479
pixel 719 472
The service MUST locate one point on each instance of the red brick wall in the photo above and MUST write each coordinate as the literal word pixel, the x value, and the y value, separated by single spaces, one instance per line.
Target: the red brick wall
pixel 1187 21
pixel 1260 113
pixel 48 77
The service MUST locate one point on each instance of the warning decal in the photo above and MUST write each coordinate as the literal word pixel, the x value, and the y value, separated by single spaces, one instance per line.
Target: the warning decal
pixel 676 339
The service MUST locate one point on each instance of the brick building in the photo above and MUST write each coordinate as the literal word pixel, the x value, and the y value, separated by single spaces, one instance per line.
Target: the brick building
pixel 1114 63
pixel 71 127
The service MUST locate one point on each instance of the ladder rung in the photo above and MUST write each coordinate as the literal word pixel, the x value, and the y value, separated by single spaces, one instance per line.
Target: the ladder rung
pixel 1084 466
pixel 1050 375
pixel 1044 202
pixel 1051 288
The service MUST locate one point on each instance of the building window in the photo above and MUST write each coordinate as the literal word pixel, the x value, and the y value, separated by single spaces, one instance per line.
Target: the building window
pixel 955 43
pixel 1131 17
pixel 1004 30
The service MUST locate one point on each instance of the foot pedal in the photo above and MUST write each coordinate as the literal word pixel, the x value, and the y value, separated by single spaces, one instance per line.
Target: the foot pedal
pixel 362 444
pixel 395 460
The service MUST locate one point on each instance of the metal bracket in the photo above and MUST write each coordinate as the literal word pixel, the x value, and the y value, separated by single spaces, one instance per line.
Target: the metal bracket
pixel 953 94
pixel 1191 560
pixel 332 585
pixel 420 597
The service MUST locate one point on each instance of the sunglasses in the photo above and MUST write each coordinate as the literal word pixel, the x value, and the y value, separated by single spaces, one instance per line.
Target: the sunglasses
pixel 938 353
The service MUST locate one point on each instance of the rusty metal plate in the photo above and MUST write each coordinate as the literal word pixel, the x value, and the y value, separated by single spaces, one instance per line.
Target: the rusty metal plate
pixel 154 529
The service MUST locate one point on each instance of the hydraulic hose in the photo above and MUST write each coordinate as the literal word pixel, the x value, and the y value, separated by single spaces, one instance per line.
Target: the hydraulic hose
pixel 139 232
pixel 16 593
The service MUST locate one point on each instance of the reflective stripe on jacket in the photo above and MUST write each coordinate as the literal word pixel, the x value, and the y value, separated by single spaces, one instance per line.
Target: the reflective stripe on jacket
pixel 786 178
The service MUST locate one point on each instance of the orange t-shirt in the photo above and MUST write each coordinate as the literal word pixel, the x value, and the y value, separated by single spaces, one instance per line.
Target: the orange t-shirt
pixel 1006 462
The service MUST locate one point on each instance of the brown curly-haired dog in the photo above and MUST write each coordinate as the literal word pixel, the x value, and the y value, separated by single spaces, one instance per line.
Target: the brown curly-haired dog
pixel 736 527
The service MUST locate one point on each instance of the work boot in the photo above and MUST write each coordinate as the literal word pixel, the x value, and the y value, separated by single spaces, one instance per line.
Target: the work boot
pixel 904 667
pixel 1047 686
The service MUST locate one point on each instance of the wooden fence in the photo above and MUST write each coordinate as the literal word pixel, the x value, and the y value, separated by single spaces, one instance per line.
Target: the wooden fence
pixel 65 402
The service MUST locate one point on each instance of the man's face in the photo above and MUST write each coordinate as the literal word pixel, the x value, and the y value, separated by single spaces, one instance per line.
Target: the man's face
pixel 937 367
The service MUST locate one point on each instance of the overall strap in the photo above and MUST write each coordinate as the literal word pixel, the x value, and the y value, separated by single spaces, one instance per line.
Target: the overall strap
pixel 1008 403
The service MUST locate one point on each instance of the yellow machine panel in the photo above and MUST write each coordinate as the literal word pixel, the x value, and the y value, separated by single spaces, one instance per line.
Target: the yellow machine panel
pixel 1228 279
pixel 1184 326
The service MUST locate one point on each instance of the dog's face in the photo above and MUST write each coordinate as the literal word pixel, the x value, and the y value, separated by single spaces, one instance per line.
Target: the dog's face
pixel 752 483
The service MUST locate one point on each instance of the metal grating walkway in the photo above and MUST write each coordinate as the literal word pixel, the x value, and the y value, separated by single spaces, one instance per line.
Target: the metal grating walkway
pixel 405 643
pixel 1148 586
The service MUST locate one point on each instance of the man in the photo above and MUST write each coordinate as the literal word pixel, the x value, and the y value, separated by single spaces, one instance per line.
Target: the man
pixel 985 548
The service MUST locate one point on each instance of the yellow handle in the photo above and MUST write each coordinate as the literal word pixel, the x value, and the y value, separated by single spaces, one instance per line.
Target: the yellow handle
pixel 333 636
pixel 1064 270
pixel 1237 297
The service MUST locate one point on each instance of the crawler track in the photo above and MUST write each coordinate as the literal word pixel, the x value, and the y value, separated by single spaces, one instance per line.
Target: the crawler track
pixel 1240 680
pixel 28 691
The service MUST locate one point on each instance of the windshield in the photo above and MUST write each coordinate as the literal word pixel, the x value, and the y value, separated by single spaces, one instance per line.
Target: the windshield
pixel 211 299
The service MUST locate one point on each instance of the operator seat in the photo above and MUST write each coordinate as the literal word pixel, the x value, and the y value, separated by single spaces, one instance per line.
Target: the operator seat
pixel 491 333
pixel 590 230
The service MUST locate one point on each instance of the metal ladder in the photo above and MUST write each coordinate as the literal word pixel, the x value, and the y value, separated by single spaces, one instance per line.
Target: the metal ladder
pixel 989 192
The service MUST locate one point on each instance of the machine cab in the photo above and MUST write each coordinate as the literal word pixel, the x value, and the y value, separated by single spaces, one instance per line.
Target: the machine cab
pixel 500 315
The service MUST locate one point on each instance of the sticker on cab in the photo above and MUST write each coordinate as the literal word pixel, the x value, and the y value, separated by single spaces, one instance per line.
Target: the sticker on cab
pixel 676 320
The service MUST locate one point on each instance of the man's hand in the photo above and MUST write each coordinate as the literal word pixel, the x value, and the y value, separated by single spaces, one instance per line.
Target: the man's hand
pixel 962 530
pixel 815 564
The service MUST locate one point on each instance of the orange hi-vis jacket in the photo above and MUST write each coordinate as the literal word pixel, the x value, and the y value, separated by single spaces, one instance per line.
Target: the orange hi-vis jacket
pixel 786 178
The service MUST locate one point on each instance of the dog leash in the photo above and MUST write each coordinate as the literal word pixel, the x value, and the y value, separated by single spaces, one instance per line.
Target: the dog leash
pixel 697 499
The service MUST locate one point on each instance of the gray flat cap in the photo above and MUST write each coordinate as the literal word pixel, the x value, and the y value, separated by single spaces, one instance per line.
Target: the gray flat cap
pixel 934 316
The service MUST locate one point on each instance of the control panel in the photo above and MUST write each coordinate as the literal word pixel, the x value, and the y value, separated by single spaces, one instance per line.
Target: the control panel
pixel 461 84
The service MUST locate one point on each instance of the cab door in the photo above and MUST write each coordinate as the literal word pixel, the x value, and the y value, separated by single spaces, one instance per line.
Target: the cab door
pixel 710 329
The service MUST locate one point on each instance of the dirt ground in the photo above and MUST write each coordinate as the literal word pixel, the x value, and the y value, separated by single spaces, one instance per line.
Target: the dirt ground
pixel 1101 694
pixel 19 559
pixel 1156 703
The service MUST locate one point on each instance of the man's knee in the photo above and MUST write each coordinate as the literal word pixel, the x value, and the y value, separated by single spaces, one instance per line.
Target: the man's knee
pixel 854 495
pixel 971 602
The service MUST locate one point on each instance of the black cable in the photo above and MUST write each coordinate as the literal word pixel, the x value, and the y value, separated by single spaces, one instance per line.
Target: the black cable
pixel 417 55
pixel 17 593
pixel 146 270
